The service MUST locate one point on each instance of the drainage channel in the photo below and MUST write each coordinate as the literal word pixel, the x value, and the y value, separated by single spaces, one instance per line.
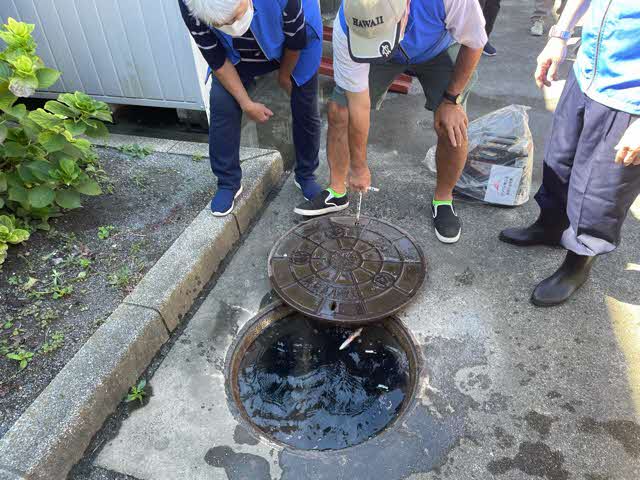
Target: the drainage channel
pixel 291 383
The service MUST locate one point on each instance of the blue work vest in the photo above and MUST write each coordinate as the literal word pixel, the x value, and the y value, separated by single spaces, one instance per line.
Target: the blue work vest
pixel 608 63
pixel 267 28
pixel 426 34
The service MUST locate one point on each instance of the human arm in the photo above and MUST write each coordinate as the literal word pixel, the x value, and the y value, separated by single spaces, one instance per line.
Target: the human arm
pixel 228 76
pixel 465 22
pixel 555 51
pixel 450 118
pixel 628 149
pixel 288 62
pixel 359 104
pixel 295 39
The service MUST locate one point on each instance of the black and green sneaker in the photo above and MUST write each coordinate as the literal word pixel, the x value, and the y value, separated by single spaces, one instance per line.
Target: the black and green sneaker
pixel 325 202
pixel 446 222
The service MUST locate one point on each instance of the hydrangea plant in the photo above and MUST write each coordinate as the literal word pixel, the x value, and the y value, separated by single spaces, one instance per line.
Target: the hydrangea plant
pixel 9 234
pixel 44 153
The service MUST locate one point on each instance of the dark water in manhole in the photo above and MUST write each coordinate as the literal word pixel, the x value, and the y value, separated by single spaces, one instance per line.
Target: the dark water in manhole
pixel 299 388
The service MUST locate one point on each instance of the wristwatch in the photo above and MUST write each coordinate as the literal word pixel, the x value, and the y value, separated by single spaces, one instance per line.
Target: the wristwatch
pixel 455 99
pixel 555 32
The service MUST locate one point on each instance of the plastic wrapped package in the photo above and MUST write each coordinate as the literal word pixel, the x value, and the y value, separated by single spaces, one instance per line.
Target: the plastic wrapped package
pixel 500 162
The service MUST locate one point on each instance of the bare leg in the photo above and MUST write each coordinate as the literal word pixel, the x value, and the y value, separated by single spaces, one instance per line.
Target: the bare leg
pixel 338 146
pixel 450 162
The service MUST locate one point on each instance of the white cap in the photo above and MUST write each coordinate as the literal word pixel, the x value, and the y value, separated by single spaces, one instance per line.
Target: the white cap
pixel 374 28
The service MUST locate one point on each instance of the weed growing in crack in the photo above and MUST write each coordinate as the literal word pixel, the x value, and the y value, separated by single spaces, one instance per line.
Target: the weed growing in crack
pixel 136 392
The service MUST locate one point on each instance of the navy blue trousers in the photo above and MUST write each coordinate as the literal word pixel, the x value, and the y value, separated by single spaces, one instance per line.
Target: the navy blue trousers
pixel 226 120
pixel 581 181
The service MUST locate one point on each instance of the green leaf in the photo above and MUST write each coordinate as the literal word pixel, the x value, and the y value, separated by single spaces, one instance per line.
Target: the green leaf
pixel 25 174
pixel 59 109
pixel 13 356
pixel 45 119
pixel 18 236
pixel 40 170
pixel 68 199
pixel 97 129
pixel 3 132
pixel 23 86
pixel 3 252
pixel 3 182
pixel 47 77
pixel 41 196
pixel 5 71
pixel 18 111
pixel 7 99
pixel 23 364
pixel 89 187
pixel 83 145
pixel 18 194
pixel 51 141
pixel 6 222
pixel 1 202
pixel 105 116
pixel 68 165
pixel 13 149
pixel 75 128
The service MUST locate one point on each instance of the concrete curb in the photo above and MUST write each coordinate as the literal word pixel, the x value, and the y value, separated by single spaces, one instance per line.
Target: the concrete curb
pixel 52 435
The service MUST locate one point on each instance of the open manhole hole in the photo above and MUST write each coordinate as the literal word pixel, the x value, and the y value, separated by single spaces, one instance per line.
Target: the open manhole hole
pixel 333 268
pixel 292 384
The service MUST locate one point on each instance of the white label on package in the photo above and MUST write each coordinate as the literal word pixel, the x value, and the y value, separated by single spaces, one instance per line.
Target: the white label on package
pixel 503 185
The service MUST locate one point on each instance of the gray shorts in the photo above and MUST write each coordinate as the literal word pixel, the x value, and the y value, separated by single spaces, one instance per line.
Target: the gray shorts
pixel 434 76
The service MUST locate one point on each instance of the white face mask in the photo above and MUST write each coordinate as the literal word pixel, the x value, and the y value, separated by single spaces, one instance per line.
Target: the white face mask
pixel 240 26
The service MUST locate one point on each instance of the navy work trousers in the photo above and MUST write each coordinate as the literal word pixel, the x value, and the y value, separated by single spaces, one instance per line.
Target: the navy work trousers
pixel 581 182
pixel 226 119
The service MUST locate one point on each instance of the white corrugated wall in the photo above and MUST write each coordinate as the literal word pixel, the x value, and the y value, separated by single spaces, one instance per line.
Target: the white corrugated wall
pixel 119 51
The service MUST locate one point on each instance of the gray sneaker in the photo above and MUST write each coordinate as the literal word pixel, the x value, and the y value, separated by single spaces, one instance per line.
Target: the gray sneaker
pixel 537 28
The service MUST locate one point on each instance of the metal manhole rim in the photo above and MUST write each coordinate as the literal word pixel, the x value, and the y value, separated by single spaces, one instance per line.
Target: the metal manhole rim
pixel 361 319
pixel 280 310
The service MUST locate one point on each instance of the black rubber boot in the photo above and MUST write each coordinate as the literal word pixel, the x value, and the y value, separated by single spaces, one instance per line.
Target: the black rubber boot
pixel 544 231
pixel 559 287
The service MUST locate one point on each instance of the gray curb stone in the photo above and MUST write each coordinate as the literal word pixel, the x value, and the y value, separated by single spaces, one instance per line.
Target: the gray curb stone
pixel 258 178
pixel 52 435
pixel 176 279
pixel 173 283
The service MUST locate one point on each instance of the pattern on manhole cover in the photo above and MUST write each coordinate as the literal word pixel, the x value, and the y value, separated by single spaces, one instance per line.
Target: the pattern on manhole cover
pixel 332 269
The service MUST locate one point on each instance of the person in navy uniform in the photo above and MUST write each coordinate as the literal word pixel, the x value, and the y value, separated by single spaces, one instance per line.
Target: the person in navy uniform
pixel 591 173
pixel 242 40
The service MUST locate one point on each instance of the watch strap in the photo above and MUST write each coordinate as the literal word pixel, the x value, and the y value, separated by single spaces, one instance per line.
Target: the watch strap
pixel 455 99
pixel 556 32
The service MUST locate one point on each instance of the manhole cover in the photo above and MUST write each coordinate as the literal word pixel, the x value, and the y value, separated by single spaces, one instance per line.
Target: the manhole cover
pixel 291 382
pixel 332 269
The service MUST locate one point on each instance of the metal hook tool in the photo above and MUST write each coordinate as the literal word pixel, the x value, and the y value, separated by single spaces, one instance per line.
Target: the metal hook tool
pixel 371 189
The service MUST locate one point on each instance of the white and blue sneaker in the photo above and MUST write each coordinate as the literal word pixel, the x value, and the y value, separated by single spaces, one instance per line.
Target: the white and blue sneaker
pixel 223 201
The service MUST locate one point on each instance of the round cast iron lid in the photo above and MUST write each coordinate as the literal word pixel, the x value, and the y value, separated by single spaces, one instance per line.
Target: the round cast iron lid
pixel 332 269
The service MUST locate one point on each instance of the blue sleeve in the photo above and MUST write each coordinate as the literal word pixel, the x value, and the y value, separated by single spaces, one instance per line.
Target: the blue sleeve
pixel 206 40
pixel 295 32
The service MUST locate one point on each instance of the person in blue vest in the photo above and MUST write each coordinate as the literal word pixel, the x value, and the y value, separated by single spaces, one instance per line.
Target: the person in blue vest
pixel 242 40
pixel 591 174
pixel 374 41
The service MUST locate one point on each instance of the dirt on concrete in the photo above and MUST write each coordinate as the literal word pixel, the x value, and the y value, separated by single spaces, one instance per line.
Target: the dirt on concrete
pixel 61 285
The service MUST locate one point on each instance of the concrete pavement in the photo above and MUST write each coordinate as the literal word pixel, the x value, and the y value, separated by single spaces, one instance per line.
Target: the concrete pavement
pixel 508 391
